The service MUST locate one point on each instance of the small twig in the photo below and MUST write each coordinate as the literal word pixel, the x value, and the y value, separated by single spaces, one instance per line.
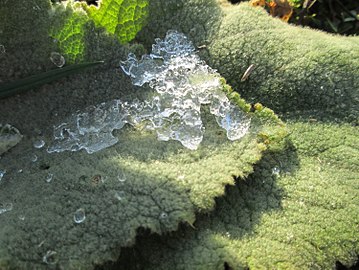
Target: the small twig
pixel 247 72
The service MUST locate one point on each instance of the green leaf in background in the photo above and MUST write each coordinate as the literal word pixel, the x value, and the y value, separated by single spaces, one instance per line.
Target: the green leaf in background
pixel 123 18
pixel 69 31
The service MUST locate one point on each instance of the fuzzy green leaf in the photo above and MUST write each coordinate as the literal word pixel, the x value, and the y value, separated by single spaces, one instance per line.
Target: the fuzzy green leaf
pixel 296 69
pixel 298 210
pixel 123 18
pixel 68 31
pixel 166 184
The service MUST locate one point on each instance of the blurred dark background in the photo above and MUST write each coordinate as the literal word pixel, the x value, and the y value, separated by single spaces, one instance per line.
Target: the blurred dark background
pixel 334 16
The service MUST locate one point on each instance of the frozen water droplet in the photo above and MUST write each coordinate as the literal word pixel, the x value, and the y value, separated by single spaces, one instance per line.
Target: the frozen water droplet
pixel 337 91
pixel 235 122
pixel 79 215
pixel 121 177
pixel 22 217
pixel 2 49
pixel 119 195
pixel 49 177
pixel 57 59
pixel 90 130
pixel 9 135
pixel 5 207
pixel 39 143
pixel 163 215
pixel 275 171
pixel 33 158
pixel 50 257
pixel 2 173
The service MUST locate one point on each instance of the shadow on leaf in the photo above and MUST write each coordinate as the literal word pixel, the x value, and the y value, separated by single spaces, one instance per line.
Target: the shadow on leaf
pixel 235 217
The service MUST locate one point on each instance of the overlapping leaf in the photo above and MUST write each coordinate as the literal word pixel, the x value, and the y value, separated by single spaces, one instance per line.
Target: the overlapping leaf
pixel 298 210
pixel 138 183
pixel 165 184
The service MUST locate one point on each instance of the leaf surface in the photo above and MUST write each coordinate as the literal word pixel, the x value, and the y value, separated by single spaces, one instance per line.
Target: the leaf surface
pixel 298 210
pixel 139 183
pixel 123 18
pixel 167 185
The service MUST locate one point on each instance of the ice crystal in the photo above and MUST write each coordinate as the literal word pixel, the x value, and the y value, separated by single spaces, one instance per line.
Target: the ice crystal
pixel 182 82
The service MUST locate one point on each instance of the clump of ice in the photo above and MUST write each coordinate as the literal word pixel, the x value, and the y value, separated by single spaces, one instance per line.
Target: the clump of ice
pixel 183 83
pixel 92 129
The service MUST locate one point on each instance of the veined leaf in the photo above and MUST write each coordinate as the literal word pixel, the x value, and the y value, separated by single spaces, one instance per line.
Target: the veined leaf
pixel 123 18
pixel 69 31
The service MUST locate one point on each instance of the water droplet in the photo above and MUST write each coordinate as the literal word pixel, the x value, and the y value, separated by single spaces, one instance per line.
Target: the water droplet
pixel 2 173
pixel 5 207
pixel 180 177
pixel 275 171
pixel 22 217
pixel 57 59
pixel 49 177
pixel 50 257
pixel 228 234
pixel 337 91
pixel 39 143
pixel 20 170
pixel 2 49
pixel 119 195
pixel 121 177
pixel 79 215
pixel 33 158
pixel 163 215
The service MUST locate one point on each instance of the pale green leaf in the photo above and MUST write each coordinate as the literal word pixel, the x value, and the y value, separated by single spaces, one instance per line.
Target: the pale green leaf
pixel 123 18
